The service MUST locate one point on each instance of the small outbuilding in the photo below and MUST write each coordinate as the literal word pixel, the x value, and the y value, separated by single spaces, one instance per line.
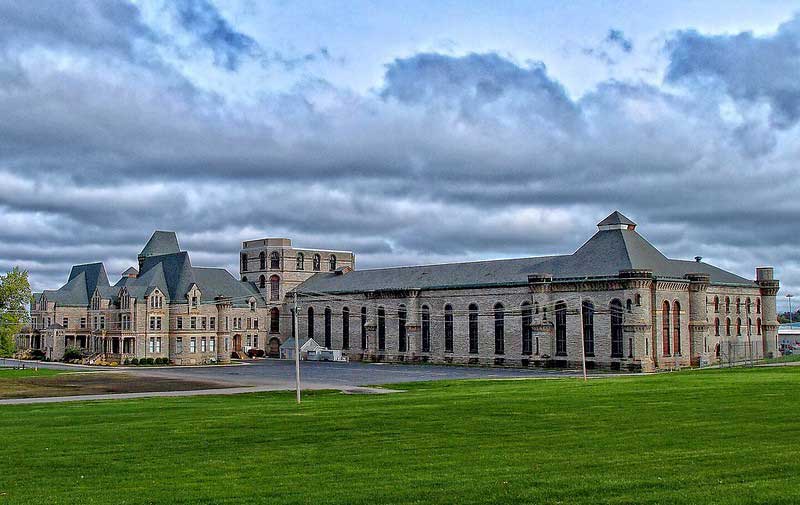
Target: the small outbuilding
pixel 306 345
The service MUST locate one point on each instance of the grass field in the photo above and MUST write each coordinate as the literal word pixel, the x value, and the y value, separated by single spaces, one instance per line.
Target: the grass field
pixel 723 436
pixel 19 373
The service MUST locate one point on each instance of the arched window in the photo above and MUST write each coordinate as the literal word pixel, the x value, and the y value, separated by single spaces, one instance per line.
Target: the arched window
pixel 536 307
pixel 345 328
pixel 274 320
pixel 587 310
pixel 473 328
pixel 402 343
pixel 527 329
pixel 747 305
pixel 301 259
pixel 727 304
pixel 758 326
pixel 499 328
pixel 716 326
pixel 758 305
pixel 738 305
pixel 244 262
pixel 749 326
pixel 274 260
pixel 262 261
pixel 381 329
pixel 311 322
pixel 728 326
pixel 262 282
pixel 328 327
pixel 561 329
pixel 676 326
pixel 244 278
pixel 716 304
pixel 615 308
pixel 665 328
pixel 274 288
pixel 638 299
pixel 363 327
pixel 739 326
pixel 332 262
pixel 629 306
pixel 426 329
pixel 317 262
pixel 448 328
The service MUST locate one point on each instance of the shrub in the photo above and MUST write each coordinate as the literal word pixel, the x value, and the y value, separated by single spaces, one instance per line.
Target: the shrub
pixel 71 353
pixel 127 362
pixel 146 361
pixel 135 361
pixel 37 354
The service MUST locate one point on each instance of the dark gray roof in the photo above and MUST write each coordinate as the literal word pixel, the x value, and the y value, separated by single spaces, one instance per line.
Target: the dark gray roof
pixel 605 254
pixel 161 242
pixel 615 217
pixel 130 271
pixel 172 274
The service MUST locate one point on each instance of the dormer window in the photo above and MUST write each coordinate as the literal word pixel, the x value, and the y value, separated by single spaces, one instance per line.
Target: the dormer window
pixel 156 301
pixel 96 302
pixel 252 305
pixel 195 302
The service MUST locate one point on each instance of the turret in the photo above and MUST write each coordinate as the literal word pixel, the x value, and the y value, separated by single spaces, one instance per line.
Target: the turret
pixel 769 316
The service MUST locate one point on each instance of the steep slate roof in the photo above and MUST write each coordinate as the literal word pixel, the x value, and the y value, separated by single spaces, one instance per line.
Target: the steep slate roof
pixel 161 242
pixel 605 254
pixel 170 272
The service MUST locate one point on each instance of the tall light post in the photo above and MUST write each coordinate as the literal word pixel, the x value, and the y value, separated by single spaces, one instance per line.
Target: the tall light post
pixel 789 296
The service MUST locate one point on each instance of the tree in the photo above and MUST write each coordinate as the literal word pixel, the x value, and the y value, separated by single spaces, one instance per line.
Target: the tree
pixel 15 295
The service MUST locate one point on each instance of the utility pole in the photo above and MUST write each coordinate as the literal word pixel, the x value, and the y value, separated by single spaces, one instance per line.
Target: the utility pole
pixel 296 348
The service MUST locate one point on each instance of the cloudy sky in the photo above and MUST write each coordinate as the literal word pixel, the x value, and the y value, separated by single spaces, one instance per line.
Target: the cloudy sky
pixel 409 132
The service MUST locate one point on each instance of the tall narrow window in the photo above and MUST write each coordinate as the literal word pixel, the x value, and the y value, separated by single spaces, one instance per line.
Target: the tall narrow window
pixel 274 260
pixel 739 326
pixel 749 326
pixel 448 328
pixel 473 329
pixel 262 282
pixel 676 327
pixel 317 262
pixel 332 262
pixel 402 343
pixel 615 308
pixel 244 263
pixel 738 305
pixel 426 329
pixel 728 326
pixel 328 327
pixel 363 327
pixel 629 306
pixel 345 328
pixel 262 261
pixel 381 329
pixel 716 304
pixel 311 322
pixel 274 320
pixel 727 304
pixel 758 305
pixel 587 308
pixel 758 326
pixel 747 305
pixel 527 329
pixel 561 329
pixel 499 329
pixel 716 326
pixel 274 288
pixel 665 328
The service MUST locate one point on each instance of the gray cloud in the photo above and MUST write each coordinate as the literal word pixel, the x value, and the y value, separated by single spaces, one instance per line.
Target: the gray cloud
pixel 617 38
pixel 751 69
pixel 449 158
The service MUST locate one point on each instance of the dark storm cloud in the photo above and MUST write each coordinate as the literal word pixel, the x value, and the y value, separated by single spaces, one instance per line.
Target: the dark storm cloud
pixel 750 68
pixel 449 158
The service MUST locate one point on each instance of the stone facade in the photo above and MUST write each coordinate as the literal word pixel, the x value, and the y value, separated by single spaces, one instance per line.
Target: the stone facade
pixel 630 307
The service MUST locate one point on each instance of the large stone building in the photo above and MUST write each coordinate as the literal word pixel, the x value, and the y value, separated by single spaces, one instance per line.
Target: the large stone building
pixel 616 300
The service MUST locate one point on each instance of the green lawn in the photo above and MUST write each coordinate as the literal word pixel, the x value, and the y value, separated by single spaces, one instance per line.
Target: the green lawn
pixel 14 373
pixel 722 436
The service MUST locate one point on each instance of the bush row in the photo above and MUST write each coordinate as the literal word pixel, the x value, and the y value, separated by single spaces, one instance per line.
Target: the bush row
pixel 146 361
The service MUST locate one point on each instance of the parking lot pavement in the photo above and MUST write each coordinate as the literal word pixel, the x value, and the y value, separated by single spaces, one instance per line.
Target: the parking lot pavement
pixel 315 374
pixel 279 374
